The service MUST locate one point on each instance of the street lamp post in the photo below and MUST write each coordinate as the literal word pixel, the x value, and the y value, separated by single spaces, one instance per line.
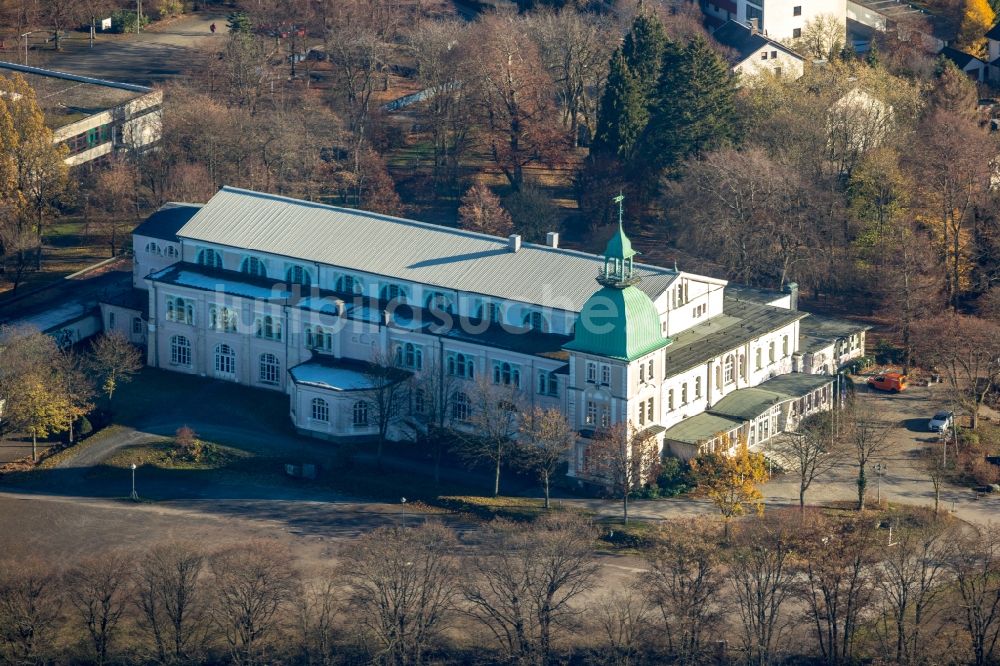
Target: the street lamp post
pixel 135 495
pixel 879 469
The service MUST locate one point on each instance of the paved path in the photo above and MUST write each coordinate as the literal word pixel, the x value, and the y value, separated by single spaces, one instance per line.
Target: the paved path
pixel 904 482
pixel 149 58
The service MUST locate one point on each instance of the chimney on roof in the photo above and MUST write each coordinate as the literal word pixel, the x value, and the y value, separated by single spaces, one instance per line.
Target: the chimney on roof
pixel 793 295
pixel 754 26
pixel 514 242
pixel 552 239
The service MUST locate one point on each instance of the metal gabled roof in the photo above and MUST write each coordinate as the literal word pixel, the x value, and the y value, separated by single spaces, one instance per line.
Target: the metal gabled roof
pixel 401 249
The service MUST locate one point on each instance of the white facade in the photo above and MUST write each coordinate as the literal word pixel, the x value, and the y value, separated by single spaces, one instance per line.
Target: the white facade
pixel 771 60
pixel 782 20
pixel 306 328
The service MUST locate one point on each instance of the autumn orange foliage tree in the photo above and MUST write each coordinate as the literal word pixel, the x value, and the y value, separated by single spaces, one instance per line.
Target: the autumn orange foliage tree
pixel 731 481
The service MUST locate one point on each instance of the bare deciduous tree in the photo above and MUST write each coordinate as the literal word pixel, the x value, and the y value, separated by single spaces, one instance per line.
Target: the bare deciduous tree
pixel 404 583
pixel 974 563
pixel 624 458
pixel 30 611
pixel 813 450
pixel 115 360
pixel 685 583
pixel 171 599
pixel 317 607
pixel 388 386
pixel 99 588
pixel 525 580
pixel 866 437
pixel 624 618
pixel 838 563
pixel 545 439
pixel 967 350
pixel 494 419
pixel 763 581
pixel 252 586
pixel 481 211
pixel 912 577
pixel 513 98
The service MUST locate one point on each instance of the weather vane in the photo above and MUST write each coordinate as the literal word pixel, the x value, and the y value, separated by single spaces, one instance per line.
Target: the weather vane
pixel 621 208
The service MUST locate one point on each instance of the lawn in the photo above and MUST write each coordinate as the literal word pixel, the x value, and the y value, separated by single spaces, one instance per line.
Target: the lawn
pixel 165 455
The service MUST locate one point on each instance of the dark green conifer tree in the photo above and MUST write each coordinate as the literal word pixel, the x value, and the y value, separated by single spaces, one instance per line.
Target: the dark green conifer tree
pixel 643 50
pixel 694 109
pixel 623 113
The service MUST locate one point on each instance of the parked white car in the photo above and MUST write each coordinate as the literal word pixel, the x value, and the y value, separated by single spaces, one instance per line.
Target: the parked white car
pixel 942 421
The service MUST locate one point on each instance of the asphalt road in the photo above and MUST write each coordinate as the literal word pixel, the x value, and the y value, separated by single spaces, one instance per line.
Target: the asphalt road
pixel 151 57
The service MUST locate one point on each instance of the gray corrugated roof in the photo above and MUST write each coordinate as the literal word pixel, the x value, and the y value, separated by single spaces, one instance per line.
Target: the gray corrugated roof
pixel 404 249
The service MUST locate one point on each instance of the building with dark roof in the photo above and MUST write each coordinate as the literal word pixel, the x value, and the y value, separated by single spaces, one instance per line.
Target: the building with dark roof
pixel 93 117
pixel 973 67
pixel 292 296
pixel 751 53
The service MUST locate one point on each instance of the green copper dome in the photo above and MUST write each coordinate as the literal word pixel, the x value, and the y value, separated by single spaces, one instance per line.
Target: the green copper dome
pixel 619 323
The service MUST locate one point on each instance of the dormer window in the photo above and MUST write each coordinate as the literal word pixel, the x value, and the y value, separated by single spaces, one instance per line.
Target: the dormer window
pixel 210 258
pixel 535 321
pixel 296 274
pixel 253 266
pixel 348 284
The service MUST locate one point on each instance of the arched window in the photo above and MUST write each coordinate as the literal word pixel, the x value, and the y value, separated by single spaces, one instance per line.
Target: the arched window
pixel 267 327
pixel 253 266
pixel 759 356
pixel 348 284
pixel 319 338
pixel 784 347
pixel 461 365
pixel 269 368
pixel 171 251
pixel 730 369
pixel 153 248
pixel 180 350
pixel 536 321
pixel 743 365
pixel 697 388
pixel 438 301
pixel 507 374
pixel 320 410
pixel 222 319
pixel 461 407
pixel 225 360
pixel 684 393
pixel 770 351
pixel 393 292
pixel 548 383
pixel 180 310
pixel 410 356
pixel 360 414
pixel 298 275
pixel 491 312
pixel 210 258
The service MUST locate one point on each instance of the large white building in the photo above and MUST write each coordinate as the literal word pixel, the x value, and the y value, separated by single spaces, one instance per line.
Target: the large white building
pixel 299 297
pixel 783 20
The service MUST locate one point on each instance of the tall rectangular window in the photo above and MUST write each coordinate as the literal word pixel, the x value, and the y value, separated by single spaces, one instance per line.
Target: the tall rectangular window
pixel 606 375
pixel 591 418
pixel 591 372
